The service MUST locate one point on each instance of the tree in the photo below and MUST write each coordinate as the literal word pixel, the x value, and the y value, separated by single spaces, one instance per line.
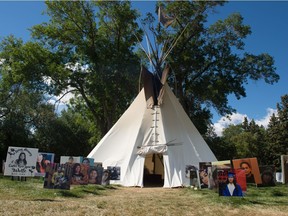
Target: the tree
pixel 222 148
pixel 22 103
pixel 248 140
pixel 206 68
pixel 68 134
pixel 93 42
pixel 89 49
pixel 277 133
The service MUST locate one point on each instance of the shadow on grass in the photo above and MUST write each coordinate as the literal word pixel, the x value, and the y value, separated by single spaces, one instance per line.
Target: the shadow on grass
pixel 70 194
pixel 257 202
pixel 111 187
pixel 95 192
pixel 79 192
pixel 46 200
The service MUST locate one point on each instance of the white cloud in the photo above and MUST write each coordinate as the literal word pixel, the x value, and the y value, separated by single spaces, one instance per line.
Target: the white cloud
pixel 61 101
pixel 237 118
pixel 265 120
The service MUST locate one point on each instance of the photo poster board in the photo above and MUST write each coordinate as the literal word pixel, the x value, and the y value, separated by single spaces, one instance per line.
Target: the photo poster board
pixel 222 164
pixel 212 175
pixel 241 178
pixel 114 172
pixel 70 159
pixel 268 176
pixel 88 161
pixel 79 174
pixel 192 173
pixel 203 174
pixel 250 165
pixel 95 174
pixel 105 177
pixel 224 176
pixel 284 167
pixel 42 160
pixel 20 161
pixel 97 164
pixel 57 176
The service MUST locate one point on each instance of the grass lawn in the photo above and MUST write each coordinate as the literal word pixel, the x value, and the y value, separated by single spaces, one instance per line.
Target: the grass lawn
pixel 30 198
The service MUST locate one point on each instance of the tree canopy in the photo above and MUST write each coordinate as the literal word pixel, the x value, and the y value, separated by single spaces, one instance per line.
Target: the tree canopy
pixel 90 50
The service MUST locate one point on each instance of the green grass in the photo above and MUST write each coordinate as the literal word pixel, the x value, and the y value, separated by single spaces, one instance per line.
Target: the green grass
pixel 32 189
pixel 117 200
pixel 265 196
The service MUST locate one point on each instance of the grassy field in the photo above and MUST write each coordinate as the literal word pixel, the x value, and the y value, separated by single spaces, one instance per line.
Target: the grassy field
pixel 29 198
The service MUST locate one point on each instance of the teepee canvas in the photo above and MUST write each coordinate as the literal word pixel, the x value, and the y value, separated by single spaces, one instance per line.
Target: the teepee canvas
pixel 164 133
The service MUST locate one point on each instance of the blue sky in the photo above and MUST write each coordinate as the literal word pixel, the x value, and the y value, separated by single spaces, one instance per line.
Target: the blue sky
pixel 269 25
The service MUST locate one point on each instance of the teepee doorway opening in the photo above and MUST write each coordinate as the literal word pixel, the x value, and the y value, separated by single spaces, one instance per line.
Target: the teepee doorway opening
pixel 153 171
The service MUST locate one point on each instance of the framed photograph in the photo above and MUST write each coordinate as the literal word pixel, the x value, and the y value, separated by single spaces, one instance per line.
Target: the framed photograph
pixel 87 161
pixel 95 175
pixel 250 165
pixel 114 172
pixel 43 159
pixel 21 161
pixel 192 173
pixel 268 176
pixel 57 176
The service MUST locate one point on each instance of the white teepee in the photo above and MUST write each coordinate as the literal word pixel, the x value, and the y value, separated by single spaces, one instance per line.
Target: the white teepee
pixel 141 132
pixel 155 134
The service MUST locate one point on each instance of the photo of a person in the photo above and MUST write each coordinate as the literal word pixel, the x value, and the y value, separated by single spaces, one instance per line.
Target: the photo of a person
pixel 58 179
pixel 114 173
pixel 248 171
pixel 86 161
pixel 192 173
pixel 21 161
pixel 41 163
pixel 57 176
pixel 267 178
pixel 232 188
pixel 93 177
pixel 204 178
pixel 78 178
pixel 105 178
pixel 70 160
pixel 267 175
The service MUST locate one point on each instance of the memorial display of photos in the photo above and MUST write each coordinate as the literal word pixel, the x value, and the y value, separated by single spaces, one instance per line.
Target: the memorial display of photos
pixel 114 172
pixel 95 174
pixel 203 174
pixel 70 159
pixel 79 174
pixel 43 159
pixel 192 173
pixel 58 176
pixel 228 178
pixel 268 176
pixel 228 183
pixel 20 161
pixel 250 165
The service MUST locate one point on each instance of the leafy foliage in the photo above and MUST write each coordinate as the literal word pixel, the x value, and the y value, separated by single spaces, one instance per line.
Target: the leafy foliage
pixel 209 62
pixel 88 50
pixel 251 140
